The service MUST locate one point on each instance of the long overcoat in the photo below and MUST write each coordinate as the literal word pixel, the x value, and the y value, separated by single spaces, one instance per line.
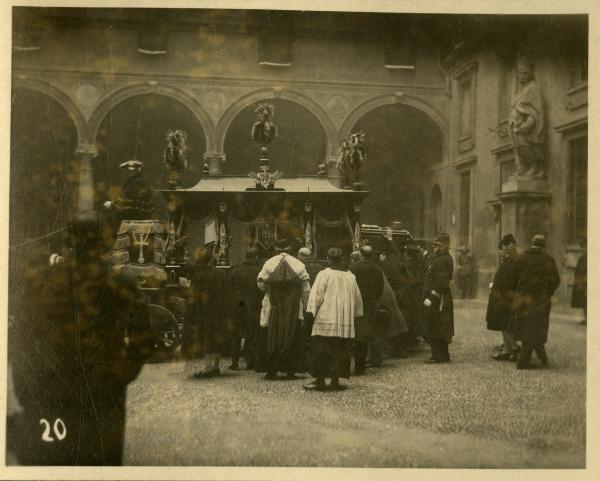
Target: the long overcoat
pixel 537 281
pixel 439 317
pixel 209 323
pixel 248 298
pixel 369 278
pixel 501 296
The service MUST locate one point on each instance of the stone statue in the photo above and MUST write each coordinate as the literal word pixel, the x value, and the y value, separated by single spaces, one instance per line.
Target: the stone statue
pixel 175 157
pixel 526 124
pixel 264 130
pixel 136 199
pixel 351 157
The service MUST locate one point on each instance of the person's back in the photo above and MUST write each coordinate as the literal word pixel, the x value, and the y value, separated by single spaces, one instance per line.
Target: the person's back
pixel 369 278
pixel 243 278
pixel 538 274
pixel 537 281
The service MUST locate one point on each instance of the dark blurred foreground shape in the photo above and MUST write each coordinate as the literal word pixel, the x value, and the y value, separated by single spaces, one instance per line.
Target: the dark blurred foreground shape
pixel 77 341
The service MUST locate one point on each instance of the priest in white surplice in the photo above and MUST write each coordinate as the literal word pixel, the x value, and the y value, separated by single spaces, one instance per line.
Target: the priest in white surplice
pixel 285 282
pixel 333 303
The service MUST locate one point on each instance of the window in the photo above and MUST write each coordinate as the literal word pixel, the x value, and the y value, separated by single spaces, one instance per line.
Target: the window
pixel 505 91
pixel 464 102
pixel 579 70
pixel 400 52
pixel 578 189
pixel 275 48
pixel 464 226
pixel 465 82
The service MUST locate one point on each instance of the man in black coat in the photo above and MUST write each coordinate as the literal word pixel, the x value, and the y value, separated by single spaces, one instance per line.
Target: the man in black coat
pixel 248 299
pixel 208 327
pixel 369 278
pixel 438 309
pixel 79 338
pixel 538 279
pixel 502 290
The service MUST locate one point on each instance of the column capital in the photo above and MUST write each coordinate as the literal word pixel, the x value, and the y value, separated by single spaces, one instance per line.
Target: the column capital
pixel 214 161
pixel 85 149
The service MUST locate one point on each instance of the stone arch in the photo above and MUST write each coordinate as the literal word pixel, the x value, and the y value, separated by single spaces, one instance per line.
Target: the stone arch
pixel 114 98
pixel 62 98
pixel 264 94
pixel 417 103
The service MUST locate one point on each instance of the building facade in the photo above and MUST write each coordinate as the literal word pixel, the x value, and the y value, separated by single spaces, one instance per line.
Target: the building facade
pixel 433 94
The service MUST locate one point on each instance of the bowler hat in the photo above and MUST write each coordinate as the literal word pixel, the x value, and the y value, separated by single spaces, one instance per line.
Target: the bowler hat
pixel 442 239
pixel 506 240
pixel 538 241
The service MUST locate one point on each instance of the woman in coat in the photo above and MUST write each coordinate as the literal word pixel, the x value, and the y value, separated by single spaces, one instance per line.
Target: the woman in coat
pixel 501 297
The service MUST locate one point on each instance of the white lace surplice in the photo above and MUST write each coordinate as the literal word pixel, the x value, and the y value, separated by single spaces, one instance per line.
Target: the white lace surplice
pixel 335 301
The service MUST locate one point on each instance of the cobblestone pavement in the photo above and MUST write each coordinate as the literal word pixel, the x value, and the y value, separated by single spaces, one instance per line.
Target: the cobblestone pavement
pixel 474 412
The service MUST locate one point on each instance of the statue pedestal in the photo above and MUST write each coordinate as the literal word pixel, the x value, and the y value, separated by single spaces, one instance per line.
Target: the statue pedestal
pixel 525 208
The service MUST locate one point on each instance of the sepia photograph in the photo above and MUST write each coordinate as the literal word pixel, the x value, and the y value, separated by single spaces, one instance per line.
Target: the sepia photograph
pixel 296 238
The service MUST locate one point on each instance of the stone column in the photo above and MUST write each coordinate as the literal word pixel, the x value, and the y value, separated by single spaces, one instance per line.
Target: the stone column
pixel 525 208
pixel 84 154
pixel 334 175
pixel 214 161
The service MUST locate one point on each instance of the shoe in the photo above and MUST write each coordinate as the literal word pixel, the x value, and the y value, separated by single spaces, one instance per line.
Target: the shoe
pixel 499 348
pixel 291 377
pixel 314 386
pixel 271 377
pixel 374 364
pixel 336 387
pixel 503 356
pixel 359 372
pixel 234 367
pixel 433 361
pixel 207 374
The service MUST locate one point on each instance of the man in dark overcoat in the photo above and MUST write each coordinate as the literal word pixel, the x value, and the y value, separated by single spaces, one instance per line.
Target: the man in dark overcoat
pixel 369 278
pixel 502 290
pixel 208 327
pixel 248 299
pixel 538 279
pixel 438 309
pixel 78 340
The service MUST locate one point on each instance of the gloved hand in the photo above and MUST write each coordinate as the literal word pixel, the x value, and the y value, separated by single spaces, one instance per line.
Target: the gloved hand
pixel 427 303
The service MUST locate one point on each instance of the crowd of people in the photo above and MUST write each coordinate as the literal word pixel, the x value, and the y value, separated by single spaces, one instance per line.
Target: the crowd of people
pixel 294 314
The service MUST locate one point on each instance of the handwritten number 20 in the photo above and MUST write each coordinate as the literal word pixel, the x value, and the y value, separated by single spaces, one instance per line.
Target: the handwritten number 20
pixel 60 430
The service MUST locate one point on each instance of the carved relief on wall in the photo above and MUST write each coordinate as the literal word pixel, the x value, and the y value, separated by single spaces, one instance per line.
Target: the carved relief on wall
pixel 338 106
pixel 214 101
pixel 87 97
